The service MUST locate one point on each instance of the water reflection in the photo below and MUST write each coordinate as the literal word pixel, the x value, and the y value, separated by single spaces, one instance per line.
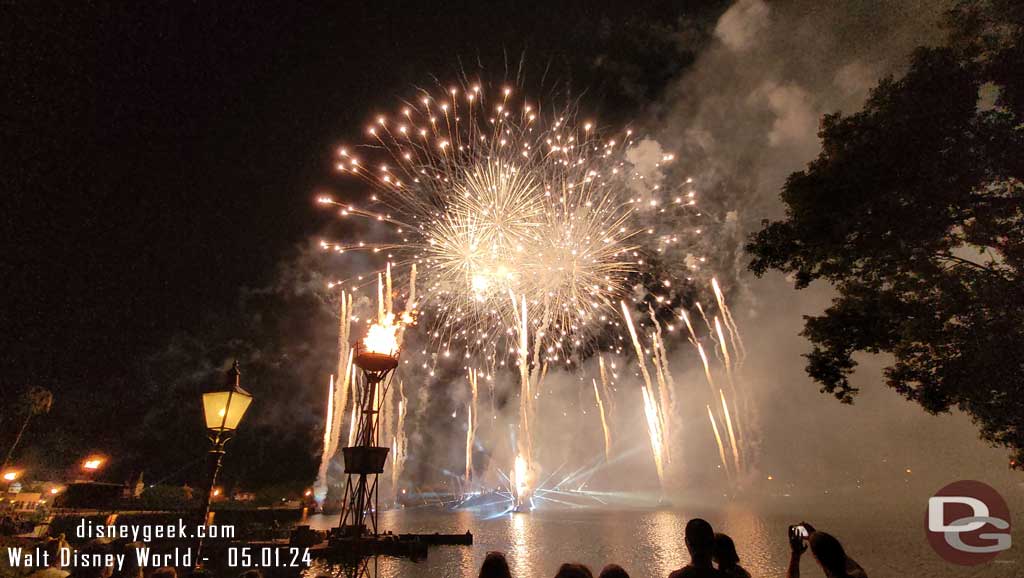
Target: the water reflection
pixel 751 535
pixel 664 536
pixel 465 555
pixel 650 543
pixel 522 544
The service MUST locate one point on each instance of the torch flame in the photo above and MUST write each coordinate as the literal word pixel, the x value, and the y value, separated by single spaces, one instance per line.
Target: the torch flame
pixel 383 337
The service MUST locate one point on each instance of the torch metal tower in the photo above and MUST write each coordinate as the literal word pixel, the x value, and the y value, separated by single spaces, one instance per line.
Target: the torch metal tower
pixel 364 462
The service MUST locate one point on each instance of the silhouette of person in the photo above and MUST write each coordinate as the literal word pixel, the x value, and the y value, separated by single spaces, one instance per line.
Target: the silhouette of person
pixel 613 571
pixel 573 570
pixel 700 542
pixel 495 566
pixel 827 551
pixel 728 560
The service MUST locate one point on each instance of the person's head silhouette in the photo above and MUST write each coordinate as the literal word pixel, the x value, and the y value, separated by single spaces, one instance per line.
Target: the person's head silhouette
pixel 495 566
pixel 573 570
pixel 613 571
pixel 725 551
pixel 829 553
pixel 700 541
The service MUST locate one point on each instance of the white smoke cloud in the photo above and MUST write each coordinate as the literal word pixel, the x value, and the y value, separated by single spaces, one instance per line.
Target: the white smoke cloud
pixel 739 25
pixel 795 115
pixel 743 118
pixel 646 156
pixel 855 79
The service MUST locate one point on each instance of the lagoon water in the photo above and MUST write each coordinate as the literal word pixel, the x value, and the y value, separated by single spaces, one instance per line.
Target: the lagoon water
pixel 888 541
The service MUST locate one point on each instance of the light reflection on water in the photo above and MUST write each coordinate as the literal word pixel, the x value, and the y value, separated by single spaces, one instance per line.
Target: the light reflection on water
pixel 521 553
pixel 887 542
pixel 661 532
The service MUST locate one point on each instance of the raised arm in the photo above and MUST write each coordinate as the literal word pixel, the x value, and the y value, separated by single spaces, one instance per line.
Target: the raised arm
pixel 797 547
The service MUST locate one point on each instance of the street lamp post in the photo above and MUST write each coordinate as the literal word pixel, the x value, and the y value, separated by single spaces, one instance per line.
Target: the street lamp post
pixel 223 408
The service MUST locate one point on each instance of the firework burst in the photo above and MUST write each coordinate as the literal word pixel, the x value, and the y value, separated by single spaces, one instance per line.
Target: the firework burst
pixel 497 197
pixel 532 238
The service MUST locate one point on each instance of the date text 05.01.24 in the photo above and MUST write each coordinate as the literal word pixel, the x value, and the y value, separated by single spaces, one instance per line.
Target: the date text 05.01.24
pixel 268 557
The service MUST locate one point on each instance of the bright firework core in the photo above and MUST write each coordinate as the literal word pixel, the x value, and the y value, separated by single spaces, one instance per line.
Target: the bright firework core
pixel 499 199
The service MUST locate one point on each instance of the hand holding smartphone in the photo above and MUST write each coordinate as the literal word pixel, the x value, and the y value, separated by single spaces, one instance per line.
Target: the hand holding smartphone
pixel 798 535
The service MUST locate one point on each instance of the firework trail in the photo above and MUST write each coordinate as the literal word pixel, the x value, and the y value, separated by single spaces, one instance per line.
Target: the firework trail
pixel 707 324
pixel 726 359
pixel 689 326
pixel 344 373
pixel 718 440
pixel 384 417
pixel 604 385
pixel 399 404
pixel 524 457
pixel 732 436
pixel 715 390
pixel 471 423
pixel 337 397
pixel 651 410
pixel 728 363
pixel 355 406
pixel 734 333
pixel 749 433
pixel 320 487
pixel 666 397
pixel 469 443
pixel 654 427
pixel 399 443
pixel 663 414
pixel 388 305
pixel 604 424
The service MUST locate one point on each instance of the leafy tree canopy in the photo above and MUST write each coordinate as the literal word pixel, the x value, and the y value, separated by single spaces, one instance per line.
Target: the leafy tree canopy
pixel 914 212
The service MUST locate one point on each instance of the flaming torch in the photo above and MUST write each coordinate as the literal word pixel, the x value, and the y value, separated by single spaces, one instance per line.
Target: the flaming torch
pixel 376 355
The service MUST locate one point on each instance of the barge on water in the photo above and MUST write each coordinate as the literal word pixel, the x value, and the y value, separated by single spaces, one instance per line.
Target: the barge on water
pixel 341 545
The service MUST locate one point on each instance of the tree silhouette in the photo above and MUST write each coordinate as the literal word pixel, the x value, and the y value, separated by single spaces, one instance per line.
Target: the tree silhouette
pixel 35 401
pixel 914 212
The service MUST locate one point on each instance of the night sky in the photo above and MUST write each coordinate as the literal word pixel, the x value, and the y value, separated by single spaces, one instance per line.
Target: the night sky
pixel 162 158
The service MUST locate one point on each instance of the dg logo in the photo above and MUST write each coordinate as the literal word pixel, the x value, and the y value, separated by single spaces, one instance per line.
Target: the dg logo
pixel 968 523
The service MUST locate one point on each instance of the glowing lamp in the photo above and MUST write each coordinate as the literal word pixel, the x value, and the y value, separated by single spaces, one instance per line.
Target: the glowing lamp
pixel 224 407
pixel 11 475
pixel 92 463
